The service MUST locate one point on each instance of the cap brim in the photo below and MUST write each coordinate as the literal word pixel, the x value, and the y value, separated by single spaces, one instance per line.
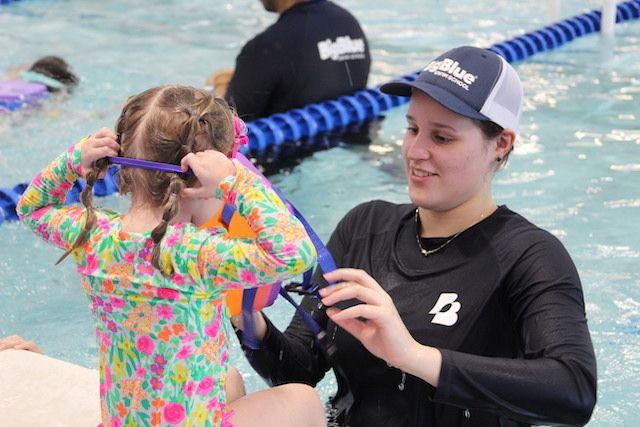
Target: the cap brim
pixel 446 99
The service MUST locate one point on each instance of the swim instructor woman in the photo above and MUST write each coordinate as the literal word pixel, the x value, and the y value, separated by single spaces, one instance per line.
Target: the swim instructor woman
pixel 474 316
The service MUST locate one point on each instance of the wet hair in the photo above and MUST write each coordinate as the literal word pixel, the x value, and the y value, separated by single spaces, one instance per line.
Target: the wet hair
pixel 491 130
pixel 162 124
pixel 55 68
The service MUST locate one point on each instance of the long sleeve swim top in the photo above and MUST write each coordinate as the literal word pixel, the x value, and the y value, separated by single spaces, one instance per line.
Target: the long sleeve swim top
pixel 503 303
pixel 163 340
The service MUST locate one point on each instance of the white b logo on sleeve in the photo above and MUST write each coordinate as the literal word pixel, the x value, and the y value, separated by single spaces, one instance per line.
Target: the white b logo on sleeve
pixel 449 317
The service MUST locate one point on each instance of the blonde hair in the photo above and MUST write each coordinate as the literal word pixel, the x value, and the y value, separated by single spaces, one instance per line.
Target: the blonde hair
pixel 162 124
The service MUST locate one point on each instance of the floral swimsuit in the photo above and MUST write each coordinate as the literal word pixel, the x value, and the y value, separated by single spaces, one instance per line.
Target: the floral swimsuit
pixel 163 340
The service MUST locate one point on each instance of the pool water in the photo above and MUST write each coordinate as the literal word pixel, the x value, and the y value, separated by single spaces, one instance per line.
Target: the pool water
pixel 575 170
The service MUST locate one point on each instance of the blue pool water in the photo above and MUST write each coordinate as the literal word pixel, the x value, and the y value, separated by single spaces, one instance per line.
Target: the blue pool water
pixel 575 170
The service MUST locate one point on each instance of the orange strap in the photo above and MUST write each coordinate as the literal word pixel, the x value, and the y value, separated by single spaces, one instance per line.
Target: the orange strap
pixel 239 228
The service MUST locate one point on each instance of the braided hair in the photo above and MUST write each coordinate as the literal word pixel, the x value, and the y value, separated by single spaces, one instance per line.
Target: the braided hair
pixel 162 124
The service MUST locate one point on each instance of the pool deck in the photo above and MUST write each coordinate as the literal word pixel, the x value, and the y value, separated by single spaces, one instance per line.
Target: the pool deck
pixel 37 390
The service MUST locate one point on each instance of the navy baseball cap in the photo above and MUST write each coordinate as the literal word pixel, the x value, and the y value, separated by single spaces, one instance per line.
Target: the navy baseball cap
pixel 473 82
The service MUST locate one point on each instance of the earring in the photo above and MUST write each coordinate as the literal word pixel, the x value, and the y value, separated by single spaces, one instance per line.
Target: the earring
pixel 498 159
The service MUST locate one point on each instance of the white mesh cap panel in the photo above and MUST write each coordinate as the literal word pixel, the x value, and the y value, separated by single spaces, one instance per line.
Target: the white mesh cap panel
pixel 504 104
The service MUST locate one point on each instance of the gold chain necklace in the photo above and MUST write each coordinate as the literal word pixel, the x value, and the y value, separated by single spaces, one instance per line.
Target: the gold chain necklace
pixel 424 251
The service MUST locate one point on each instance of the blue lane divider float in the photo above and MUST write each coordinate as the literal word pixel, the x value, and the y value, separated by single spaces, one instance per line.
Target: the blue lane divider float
pixel 267 136
pixel 7 1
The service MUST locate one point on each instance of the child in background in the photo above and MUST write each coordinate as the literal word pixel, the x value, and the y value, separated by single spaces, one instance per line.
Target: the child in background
pixel 154 280
pixel 52 71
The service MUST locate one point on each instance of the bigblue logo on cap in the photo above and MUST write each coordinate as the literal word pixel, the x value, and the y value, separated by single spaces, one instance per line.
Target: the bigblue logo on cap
pixel 450 69
pixel 470 81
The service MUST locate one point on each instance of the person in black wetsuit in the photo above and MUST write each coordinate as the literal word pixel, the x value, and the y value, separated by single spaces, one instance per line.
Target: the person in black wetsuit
pixel 468 314
pixel 315 51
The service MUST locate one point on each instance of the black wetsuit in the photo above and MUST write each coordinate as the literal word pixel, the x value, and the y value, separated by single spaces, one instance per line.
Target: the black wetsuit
pixel 502 301
pixel 315 51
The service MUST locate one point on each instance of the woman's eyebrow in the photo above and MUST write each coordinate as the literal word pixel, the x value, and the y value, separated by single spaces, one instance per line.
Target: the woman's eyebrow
pixel 435 124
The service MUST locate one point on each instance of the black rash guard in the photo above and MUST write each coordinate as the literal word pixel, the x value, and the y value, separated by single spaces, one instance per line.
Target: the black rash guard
pixel 503 303
pixel 315 51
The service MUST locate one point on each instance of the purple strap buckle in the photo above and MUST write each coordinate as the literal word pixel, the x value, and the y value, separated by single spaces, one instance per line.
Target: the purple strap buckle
pixel 148 165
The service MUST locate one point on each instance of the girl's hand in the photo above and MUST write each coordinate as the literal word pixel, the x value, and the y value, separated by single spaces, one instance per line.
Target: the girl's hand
pixel 210 167
pixel 99 145
pixel 375 323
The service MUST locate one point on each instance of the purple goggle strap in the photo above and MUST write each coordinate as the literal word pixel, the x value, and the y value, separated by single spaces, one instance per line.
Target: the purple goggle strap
pixel 148 165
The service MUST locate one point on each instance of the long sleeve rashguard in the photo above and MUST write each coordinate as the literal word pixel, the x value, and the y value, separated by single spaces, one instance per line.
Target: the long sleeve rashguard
pixel 503 303
pixel 163 337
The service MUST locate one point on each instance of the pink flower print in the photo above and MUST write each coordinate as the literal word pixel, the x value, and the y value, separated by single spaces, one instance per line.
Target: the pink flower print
pixel 189 388
pixel 117 303
pixel 92 264
pixel 108 308
pixel 129 257
pixel 213 404
pixel 173 413
pixel 37 181
pixel 288 249
pixel 37 215
pixel 168 293
pixel 165 312
pixel 145 345
pixel 248 277
pixel 111 326
pixel 115 422
pixel 156 384
pixel 205 386
pixel 104 225
pixel 141 372
pixel 189 336
pixel 42 230
pixel 57 238
pixel 211 330
pixel 108 379
pixel 177 279
pixel 106 340
pixel 184 352
pixel 171 240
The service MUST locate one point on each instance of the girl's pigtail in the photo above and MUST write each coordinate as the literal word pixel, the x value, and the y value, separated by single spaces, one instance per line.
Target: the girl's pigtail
pixel 87 201
pixel 171 206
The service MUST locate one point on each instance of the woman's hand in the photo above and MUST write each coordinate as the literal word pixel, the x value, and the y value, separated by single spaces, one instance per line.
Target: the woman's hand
pixel 377 324
pixel 18 343
pixel 210 167
pixel 99 145
pixel 382 331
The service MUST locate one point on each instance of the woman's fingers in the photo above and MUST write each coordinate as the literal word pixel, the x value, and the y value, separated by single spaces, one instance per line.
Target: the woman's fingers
pixel 352 275
pixel 350 290
pixel 358 311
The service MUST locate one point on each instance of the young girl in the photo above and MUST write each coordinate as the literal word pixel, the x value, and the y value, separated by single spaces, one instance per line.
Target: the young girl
pixel 154 280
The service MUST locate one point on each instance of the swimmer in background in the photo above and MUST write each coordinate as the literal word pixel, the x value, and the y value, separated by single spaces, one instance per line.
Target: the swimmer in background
pixel 52 71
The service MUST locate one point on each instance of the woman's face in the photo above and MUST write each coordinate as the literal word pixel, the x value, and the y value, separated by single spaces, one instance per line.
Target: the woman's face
pixel 447 159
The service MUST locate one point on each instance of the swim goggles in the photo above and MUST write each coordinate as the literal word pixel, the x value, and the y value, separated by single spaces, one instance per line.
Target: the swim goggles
pixel 32 76
pixel 240 138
